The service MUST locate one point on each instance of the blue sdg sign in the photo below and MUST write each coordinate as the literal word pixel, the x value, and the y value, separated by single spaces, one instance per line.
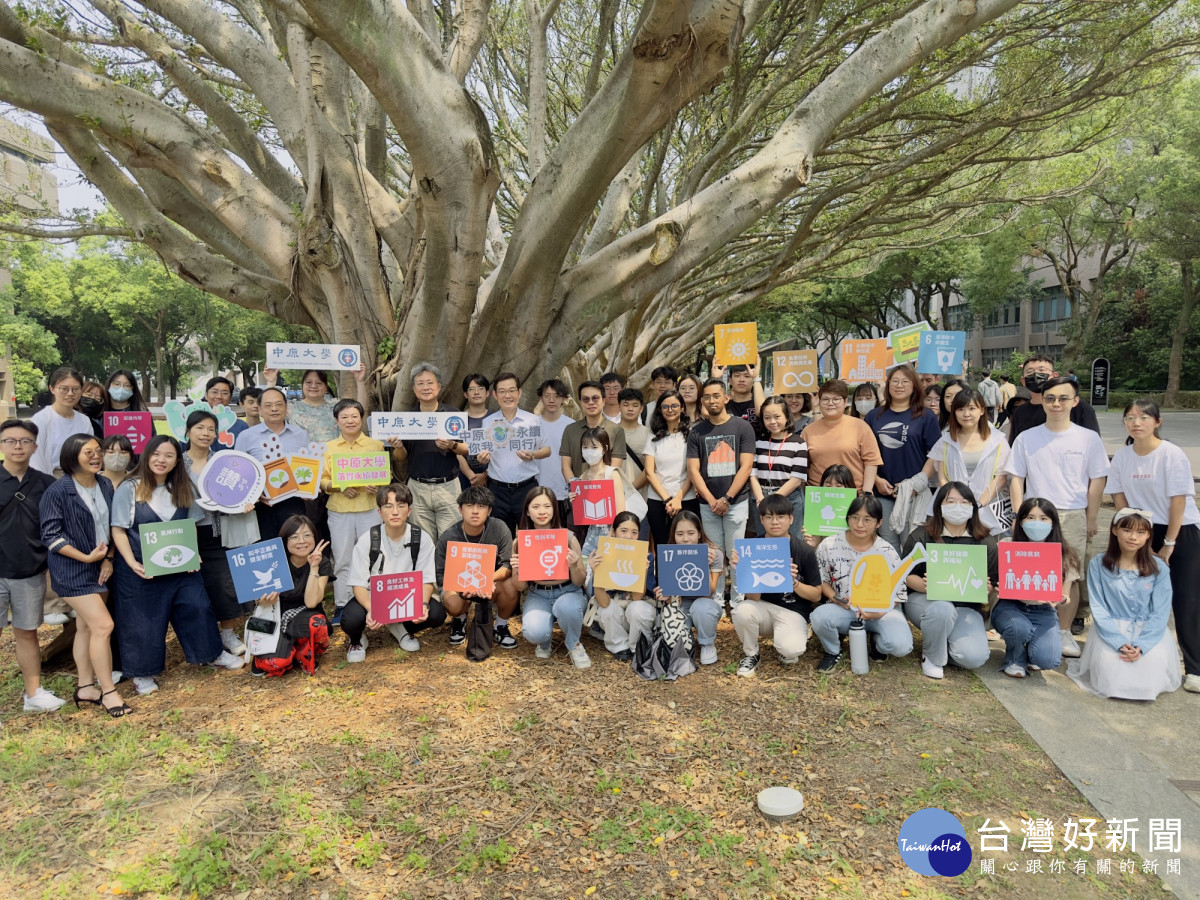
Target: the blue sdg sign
pixel 764 565
pixel 933 842
pixel 348 358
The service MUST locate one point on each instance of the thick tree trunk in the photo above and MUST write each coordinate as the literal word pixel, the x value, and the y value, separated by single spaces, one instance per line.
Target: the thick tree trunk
pixel 1182 328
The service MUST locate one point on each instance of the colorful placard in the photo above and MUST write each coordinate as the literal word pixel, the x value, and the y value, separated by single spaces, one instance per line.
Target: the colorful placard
pixel 795 371
pixel 764 565
pixel 331 357
pixel 956 572
pixel 1032 572
pixel 942 352
pixel 864 360
pixel 683 570
pixel 231 481
pixel 419 426
pixel 169 548
pixel 623 565
pixel 177 413
pixel 137 426
pixel 259 569
pixel 542 555
pixel 906 342
pixel 399 597
pixel 825 510
pixel 499 434
pixel 873 582
pixel 470 568
pixel 594 502
pixel 280 482
pixel 736 345
pixel 306 470
pixel 360 469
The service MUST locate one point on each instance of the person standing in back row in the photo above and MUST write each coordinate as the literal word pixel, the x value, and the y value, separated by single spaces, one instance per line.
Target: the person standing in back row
pixel 512 473
pixel 1036 374
pixel 720 460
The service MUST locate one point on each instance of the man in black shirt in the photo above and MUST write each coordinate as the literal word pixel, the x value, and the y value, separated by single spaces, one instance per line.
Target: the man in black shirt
pixel 23 556
pixel 1036 371
pixel 782 617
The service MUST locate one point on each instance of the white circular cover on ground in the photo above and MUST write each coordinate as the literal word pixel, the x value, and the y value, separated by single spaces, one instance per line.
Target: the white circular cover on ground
pixel 780 802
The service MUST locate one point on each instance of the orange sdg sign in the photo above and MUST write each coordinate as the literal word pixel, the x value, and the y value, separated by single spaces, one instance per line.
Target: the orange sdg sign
pixel 864 360
pixel 737 345
pixel 795 371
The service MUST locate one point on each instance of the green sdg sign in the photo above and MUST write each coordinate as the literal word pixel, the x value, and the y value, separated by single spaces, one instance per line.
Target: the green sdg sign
pixel 169 548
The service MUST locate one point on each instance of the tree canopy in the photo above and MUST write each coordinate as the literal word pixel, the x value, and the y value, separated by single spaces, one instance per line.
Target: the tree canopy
pixel 558 183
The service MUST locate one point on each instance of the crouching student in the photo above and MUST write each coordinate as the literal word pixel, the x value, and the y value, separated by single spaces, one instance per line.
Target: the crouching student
pixel 1130 653
pixel 836 558
pixel 677 615
pixel 159 491
pixel 478 526
pixel 782 617
pixel 393 547
pixel 303 631
pixel 624 615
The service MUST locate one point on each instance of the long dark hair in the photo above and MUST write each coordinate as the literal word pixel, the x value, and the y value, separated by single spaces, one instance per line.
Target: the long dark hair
pixel 136 403
pixel 1144 558
pixel 967 397
pixel 1069 557
pixel 626 516
pixel 859 389
pixel 1148 407
pixel 177 480
pixel 916 400
pixel 686 515
pixel 526 523
pixel 658 424
pixel 600 436
pixel 774 400
pixel 935 524
pixel 944 417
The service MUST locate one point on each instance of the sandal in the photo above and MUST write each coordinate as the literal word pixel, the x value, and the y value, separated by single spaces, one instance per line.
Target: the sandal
pixel 79 700
pixel 115 712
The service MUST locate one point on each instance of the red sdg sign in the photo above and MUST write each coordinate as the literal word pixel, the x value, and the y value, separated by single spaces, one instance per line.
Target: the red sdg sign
pixel 397 598
pixel 1031 571
pixel 594 502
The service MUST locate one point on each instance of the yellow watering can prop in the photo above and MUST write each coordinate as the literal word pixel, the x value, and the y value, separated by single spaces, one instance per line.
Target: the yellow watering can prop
pixel 873 582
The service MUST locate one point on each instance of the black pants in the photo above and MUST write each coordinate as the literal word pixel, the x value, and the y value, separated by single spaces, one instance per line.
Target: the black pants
pixel 509 501
pixel 660 522
pixel 271 518
pixel 1185 591
pixel 354 620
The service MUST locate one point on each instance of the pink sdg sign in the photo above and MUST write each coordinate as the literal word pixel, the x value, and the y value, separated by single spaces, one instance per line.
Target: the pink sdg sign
pixel 1031 571
pixel 397 598
pixel 137 426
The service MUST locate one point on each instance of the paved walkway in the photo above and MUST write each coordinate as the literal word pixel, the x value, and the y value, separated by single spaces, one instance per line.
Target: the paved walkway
pixel 1182 428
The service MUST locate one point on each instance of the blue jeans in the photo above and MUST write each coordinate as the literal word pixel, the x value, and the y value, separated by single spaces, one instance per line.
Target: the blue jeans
pixel 543 606
pixel 1030 633
pixel 143 609
pixel 892 634
pixel 723 531
pixel 703 613
pixel 797 498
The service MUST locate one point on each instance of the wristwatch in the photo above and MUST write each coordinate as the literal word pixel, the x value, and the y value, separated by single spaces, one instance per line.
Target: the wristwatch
pixel 1168 543
pixel 728 499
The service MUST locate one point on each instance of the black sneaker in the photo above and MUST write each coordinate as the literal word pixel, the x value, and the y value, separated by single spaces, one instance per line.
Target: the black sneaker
pixel 503 638
pixel 874 652
pixel 1078 625
pixel 623 655
pixel 828 661
pixel 748 665
pixel 458 631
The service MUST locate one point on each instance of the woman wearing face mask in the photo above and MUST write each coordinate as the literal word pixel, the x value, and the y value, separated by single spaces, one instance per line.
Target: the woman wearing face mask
pixel 91 404
pixel 1131 653
pixel 950 631
pixel 973 452
pixel 1030 629
pixel 59 420
pixel 597 460
pixel 865 399
pixel 122 393
pixel 118 458
pixel 906 432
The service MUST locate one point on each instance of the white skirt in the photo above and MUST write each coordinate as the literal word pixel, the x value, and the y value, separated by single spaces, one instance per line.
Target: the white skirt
pixel 1102 671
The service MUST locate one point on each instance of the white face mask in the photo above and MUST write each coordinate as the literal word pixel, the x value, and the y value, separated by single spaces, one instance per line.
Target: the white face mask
pixel 120 394
pixel 956 513
pixel 116 462
pixel 592 455
pixel 864 406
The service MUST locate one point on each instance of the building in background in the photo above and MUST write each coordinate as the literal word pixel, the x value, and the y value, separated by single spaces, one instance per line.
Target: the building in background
pixel 26 182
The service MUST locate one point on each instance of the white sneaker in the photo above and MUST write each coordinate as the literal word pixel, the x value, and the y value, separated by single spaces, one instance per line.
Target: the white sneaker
pixel 544 651
pixel 145 685
pixel 55 619
pixel 579 657
pixel 788 660
pixel 43 701
pixel 1012 670
pixel 117 676
pixel 1070 646
pixel 708 654
pixel 930 670
pixel 228 661
pixel 231 642
pixel 357 652
pixel 1192 684
pixel 407 642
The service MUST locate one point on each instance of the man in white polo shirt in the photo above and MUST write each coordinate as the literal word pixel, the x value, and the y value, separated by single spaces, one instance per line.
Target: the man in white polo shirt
pixel 1066 464
pixel 511 473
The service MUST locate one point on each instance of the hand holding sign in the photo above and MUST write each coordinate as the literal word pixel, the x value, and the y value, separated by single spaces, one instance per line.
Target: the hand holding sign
pixel 593 502
pixel 398 597
pixel 542 555
pixel 736 344
pixel 470 569
pixel 623 565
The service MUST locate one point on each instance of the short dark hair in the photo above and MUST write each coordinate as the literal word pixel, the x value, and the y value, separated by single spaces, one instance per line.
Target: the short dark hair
pixel 1059 382
pixel 68 457
pixel 665 372
pixel 554 384
pixel 505 376
pixel 1037 357
pixel 739 369
pixel 120 442
pixel 476 495
pixel 253 392
pixel 867 502
pixel 610 377
pixel 476 378
pixel 292 524
pixel 776 505
pixel 630 394
pixel 717 381
pixel 834 386
pixel 588 384
pixel 348 404
pixel 320 373
pixel 197 416
pixel 839 473
pixel 218 379
pixel 29 426
pixel 403 494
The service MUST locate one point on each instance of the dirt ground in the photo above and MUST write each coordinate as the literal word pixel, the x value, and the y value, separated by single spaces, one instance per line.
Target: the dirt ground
pixel 423 775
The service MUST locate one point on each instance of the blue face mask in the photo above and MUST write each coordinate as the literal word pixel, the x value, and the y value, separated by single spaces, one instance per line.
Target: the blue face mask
pixel 1036 530
pixel 120 394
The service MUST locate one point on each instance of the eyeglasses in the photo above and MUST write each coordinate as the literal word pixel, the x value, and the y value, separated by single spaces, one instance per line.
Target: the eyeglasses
pixel 773 517
pixel 670 407
pixel 508 392
pixel 588 401
pixel 18 442
pixel 1139 420
pixel 62 388
pixel 1057 399
pixel 832 401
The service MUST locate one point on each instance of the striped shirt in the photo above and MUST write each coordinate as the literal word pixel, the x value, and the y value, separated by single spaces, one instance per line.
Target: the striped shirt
pixel 775 462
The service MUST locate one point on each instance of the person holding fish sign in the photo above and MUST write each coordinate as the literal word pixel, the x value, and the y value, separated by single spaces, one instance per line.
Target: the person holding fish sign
pixel 837 557
pixel 783 616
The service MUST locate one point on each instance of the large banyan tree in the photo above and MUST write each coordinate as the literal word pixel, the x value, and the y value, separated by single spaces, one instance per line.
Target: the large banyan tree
pixel 558 184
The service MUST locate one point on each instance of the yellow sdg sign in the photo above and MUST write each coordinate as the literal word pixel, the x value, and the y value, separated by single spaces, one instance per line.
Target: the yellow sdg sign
pixel 873 582
pixel 623 565
pixel 795 371
pixel 737 345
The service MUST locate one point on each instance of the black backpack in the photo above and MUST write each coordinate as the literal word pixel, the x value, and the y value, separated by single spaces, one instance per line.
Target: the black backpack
pixel 414 545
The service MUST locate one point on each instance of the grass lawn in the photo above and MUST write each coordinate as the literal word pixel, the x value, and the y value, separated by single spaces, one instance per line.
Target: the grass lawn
pixel 423 775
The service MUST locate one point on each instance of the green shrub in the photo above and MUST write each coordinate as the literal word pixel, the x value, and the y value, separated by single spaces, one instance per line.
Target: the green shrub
pixel 1117 400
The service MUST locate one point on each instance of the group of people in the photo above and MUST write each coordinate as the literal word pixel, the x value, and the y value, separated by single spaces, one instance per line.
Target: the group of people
pixel 702 463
